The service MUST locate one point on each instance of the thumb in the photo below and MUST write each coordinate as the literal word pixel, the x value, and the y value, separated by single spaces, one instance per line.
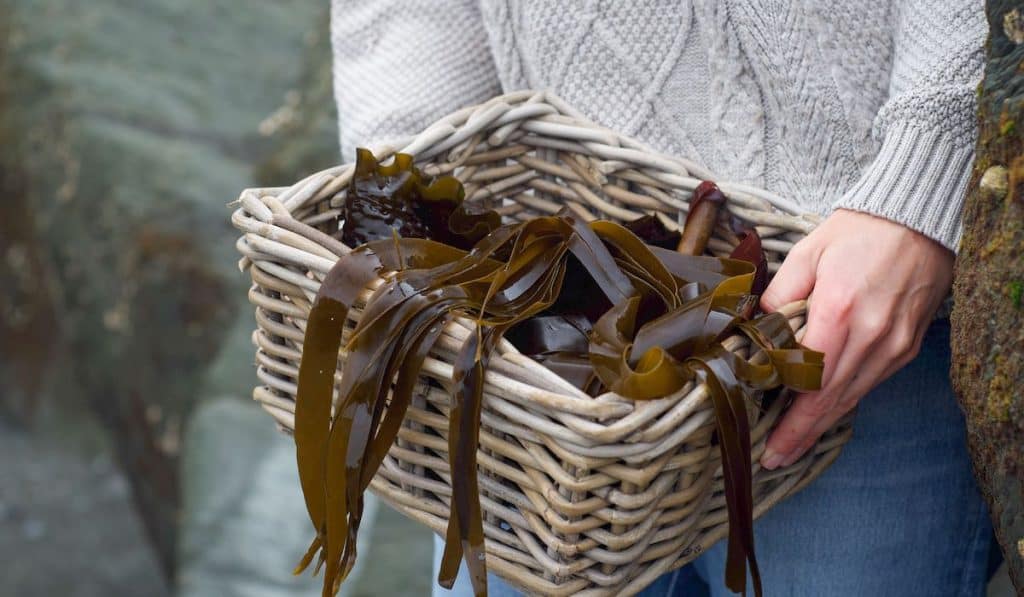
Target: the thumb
pixel 793 281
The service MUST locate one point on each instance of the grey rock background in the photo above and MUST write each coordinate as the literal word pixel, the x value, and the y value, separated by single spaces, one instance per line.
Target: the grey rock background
pixel 240 514
pixel 66 522
pixel 125 129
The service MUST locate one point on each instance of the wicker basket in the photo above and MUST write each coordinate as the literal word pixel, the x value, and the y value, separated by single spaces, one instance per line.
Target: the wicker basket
pixel 580 495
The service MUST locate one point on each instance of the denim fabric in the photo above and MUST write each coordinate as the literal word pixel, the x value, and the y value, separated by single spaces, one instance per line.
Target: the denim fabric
pixel 898 514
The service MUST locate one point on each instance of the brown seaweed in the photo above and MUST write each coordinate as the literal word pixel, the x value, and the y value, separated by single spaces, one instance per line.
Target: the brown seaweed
pixel 650 229
pixel 749 250
pixel 384 199
pixel 666 316
pixel 700 222
pixel 548 334
pixel 560 342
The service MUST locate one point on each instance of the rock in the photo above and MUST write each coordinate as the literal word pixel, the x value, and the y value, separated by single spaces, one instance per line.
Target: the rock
pixel 61 531
pixel 994 182
pixel 988 340
pixel 128 127
pixel 244 524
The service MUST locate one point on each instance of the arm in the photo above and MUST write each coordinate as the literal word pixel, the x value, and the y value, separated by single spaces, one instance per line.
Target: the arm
pixel 401 64
pixel 928 127
pixel 878 268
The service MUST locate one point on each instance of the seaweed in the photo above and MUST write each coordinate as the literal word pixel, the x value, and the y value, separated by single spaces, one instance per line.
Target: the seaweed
pixel 559 342
pixel 749 249
pixel 663 316
pixel 650 229
pixel 700 221
pixel 386 199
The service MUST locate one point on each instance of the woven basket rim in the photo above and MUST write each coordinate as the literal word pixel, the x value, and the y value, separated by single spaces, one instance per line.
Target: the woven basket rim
pixel 500 112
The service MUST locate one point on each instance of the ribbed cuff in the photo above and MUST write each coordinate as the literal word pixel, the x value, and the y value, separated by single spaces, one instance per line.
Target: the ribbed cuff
pixel 919 180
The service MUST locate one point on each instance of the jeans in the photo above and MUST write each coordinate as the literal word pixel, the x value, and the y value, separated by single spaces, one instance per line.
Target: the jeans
pixel 897 514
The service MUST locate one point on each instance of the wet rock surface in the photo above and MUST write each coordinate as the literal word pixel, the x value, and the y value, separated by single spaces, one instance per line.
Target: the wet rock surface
pixel 127 128
pixel 988 339
pixel 67 525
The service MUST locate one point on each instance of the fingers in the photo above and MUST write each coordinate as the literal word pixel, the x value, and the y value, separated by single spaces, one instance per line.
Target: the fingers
pixel 831 403
pixel 792 430
pixel 867 339
pixel 874 350
pixel 902 345
pixel 829 319
pixel 870 375
pixel 905 343
pixel 827 331
pixel 820 427
pixel 793 281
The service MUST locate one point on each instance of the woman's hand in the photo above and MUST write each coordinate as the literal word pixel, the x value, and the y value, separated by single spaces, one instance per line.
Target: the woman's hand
pixel 873 287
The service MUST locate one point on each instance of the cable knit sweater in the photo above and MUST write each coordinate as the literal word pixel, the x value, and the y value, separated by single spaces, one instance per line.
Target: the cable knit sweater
pixel 858 104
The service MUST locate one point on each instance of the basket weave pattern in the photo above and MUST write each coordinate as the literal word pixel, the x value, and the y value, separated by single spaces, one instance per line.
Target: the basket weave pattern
pixel 581 495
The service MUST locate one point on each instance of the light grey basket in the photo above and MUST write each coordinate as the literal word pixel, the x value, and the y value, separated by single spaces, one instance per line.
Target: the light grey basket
pixel 581 495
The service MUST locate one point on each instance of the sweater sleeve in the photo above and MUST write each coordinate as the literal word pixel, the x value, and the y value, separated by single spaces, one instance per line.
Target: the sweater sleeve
pixel 928 126
pixel 399 65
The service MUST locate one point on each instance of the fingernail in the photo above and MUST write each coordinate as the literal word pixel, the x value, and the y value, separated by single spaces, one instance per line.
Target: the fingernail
pixel 788 460
pixel 771 459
